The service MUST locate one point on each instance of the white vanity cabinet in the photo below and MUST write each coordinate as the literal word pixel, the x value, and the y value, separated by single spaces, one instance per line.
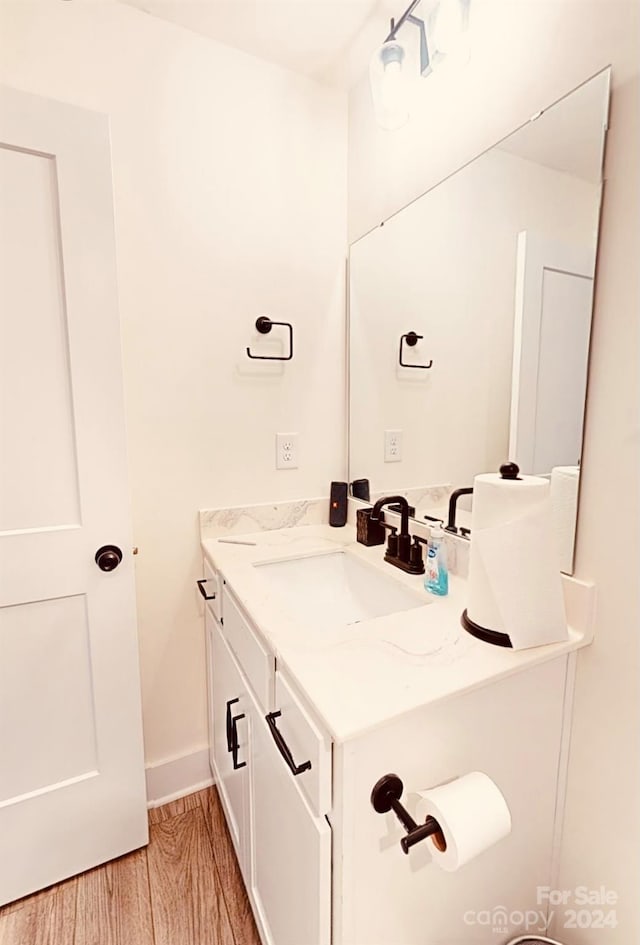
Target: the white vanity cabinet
pixel 276 818
pixel 515 731
pixel 321 867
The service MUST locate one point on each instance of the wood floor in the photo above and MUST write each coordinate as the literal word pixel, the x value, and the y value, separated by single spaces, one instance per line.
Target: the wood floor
pixel 183 889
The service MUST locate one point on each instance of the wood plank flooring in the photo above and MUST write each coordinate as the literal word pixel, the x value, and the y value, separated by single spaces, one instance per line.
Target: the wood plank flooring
pixel 185 888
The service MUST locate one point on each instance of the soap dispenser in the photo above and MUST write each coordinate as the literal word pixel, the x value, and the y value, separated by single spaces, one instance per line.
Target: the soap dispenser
pixel 436 579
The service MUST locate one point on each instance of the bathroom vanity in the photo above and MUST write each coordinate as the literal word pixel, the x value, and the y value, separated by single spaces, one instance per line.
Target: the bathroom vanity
pixel 317 690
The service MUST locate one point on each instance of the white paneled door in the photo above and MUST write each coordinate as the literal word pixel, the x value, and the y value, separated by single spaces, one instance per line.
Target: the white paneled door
pixel 554 292
pixel 71 765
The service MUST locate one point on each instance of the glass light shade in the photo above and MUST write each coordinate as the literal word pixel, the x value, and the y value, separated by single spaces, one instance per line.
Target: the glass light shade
pixel 449 33
pixel 389 85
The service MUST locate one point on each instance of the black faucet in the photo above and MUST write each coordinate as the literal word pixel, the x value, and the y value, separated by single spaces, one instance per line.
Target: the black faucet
pixel 453 501
pixel 400 552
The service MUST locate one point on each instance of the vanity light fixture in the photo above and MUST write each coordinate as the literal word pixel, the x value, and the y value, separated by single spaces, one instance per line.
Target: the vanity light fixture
pixel 392 71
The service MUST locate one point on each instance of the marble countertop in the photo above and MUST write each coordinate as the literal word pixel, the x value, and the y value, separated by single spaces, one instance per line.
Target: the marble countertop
pixel 360 676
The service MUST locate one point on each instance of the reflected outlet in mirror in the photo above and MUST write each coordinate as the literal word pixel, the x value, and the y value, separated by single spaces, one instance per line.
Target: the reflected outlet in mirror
pixel 492 272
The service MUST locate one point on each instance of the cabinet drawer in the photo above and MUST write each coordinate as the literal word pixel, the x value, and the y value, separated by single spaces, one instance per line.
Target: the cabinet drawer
pixel 306 742
pixel 255 660
pixel 211 590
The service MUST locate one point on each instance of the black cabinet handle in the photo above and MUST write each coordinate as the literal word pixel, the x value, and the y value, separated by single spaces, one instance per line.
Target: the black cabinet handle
pixel 232 735
pixel 230 723
pixel 234 743
pixel 201 583
pixel 283 748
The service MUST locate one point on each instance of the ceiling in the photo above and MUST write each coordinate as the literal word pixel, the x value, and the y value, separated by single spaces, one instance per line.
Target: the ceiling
pixel 568 136
pixel 328 40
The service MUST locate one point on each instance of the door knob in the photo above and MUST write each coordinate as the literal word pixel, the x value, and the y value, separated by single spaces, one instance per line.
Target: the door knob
pixel 108 557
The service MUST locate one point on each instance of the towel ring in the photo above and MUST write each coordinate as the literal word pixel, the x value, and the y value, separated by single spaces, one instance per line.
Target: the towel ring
pixel 264 326
pixel 412 340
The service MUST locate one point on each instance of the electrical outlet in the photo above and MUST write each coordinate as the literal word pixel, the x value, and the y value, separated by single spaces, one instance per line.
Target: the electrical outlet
pixel 286 450
pixel 392 446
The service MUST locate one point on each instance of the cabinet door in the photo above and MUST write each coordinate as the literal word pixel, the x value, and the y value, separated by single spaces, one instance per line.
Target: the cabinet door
pixel 230 724
pixel 291 876
pixel 306 743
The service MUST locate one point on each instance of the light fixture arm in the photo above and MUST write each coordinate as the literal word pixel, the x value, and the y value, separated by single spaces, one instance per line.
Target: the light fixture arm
pixel 396 26
pixel 408 17
pixel 425 64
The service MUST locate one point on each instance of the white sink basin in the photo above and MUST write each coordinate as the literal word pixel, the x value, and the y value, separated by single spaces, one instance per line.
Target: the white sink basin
pixel 337 589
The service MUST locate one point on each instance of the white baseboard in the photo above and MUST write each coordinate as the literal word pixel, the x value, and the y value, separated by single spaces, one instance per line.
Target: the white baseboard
pixel 168 780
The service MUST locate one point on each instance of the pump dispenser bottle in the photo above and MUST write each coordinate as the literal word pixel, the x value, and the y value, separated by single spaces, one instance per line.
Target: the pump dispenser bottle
pixel 436 579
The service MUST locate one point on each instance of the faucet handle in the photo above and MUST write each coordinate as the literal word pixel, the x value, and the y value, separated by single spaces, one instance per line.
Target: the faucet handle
pixel 416 551
pixel 392 540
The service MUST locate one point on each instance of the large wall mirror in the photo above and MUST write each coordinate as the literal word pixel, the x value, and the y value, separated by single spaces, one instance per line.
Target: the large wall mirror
pixel 470 317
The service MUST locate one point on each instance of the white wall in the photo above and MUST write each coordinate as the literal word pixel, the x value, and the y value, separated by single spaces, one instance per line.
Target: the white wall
pixel 445 267
pixel 230 187
pixel 527 54
pixel 230 196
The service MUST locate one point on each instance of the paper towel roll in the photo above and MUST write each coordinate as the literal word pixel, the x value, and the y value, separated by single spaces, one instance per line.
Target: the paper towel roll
pixel 473 815
pixel 565 481
pixel 514 584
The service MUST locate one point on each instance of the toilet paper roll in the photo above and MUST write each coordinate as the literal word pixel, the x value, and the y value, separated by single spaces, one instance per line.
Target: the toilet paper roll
pixel 473 815
pixel 514 584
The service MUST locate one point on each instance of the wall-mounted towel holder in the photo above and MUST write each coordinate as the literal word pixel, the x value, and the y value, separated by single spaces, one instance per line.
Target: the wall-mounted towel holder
pixel 412 340
pixel 386 796
pixel 264 326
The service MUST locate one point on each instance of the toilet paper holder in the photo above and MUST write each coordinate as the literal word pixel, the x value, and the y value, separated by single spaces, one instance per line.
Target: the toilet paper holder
pixel 386 795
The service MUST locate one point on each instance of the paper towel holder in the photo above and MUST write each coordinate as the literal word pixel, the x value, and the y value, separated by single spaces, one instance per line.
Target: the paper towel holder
pixel 386 795
pixel 482 633
pixel 510 471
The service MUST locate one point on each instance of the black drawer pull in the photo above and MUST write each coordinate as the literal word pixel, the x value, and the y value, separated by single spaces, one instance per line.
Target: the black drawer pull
pixel 282 745
pixel 230 723
pixel 201 583
pixel 234 743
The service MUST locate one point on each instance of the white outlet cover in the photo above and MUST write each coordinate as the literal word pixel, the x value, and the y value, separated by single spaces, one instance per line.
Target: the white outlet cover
pixel 393 446
pixel 286 450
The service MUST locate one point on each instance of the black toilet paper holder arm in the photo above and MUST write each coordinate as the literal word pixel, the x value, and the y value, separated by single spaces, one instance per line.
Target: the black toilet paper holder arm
pixel 386 795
